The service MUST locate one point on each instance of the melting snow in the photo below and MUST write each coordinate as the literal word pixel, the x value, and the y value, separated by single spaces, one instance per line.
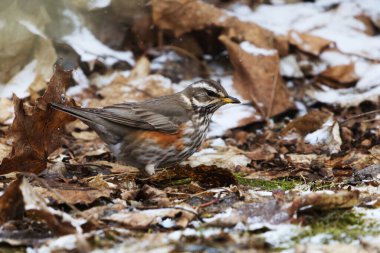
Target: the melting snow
pixel 67 242
pixel 340 26
pixel 20 83
pixel 89 47
pixel 344 97
pixel 252 49
pixel 371 78
pixel 289 67
pixel 32 28
pixel 327 135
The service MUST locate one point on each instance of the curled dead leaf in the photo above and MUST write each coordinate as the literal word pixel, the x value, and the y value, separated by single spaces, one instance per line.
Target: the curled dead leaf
pixel 140 219
pixel 340 76
pixel 308 43
pixel 326 200
pixel 182 16
pixel 257 78
pixel 20 201
pixel 37 135
pixel 307 123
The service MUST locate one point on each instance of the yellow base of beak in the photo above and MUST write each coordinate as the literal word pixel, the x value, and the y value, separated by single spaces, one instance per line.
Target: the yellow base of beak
pixel 230 100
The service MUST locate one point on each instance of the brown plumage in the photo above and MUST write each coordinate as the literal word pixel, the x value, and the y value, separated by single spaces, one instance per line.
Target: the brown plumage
pixel 159 132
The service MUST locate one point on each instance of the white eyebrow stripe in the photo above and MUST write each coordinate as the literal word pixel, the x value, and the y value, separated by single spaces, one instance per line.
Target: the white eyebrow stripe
pixel 205 86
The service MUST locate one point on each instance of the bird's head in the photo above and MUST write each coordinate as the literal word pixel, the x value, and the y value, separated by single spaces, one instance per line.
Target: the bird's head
pixel 207 95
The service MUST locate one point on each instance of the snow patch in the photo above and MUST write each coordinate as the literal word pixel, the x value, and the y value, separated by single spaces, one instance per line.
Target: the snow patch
pixel 20 83
pixel 253 50
pixel 371 78
pixel 32 28
pixel 344 97
pixel 327 135
pixel 89 47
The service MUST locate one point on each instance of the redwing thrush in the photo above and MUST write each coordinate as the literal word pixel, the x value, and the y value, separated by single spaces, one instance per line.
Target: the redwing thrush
pixel 158 132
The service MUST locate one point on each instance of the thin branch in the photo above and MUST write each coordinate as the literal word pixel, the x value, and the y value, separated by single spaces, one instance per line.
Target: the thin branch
pixel 360 116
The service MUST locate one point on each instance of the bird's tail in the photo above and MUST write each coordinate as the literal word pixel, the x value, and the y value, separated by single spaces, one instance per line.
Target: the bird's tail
pixel 77 112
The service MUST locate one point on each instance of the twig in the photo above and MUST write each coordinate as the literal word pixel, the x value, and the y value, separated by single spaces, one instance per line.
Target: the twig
pixel 360 116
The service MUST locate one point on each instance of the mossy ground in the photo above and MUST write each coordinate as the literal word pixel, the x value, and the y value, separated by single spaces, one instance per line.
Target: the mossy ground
pixel 269 185
pixel 339 225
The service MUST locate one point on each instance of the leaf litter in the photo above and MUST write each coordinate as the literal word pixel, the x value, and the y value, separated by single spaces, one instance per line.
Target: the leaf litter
pixel 292 169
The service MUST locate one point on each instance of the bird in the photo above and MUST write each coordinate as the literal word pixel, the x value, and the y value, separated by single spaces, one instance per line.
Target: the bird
pixel 156 133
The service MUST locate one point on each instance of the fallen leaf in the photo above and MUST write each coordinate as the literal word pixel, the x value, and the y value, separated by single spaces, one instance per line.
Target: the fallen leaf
pixel 5 149
pixel 326 200
pixel 153 197
pixel 139 86
pixel 257 77
pixel 264 152
pixel 328 136
pixel 344 97
pixel 178 64
pixel 224 157
pixel 340 76
pixel 183 16
pixel 11 202
pixel 6 110
pixel 85 135
pixel 20 203
pixel 308 43
pixel 62 193
pixel 37 135
pixel 307 123
pixel 141 219
pixel 367 22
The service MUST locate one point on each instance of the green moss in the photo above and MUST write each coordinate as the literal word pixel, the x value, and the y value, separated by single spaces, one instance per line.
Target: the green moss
pixel 268 185
pixel 320 185
pixel 340 225
pixel 181 181
pixel 12 249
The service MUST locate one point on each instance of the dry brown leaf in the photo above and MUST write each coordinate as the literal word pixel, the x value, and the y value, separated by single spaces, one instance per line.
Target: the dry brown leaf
pixel 21 200
pixel 182 16
pixel 73 194
pixel 154 196
pixel 85 135
pixel 37 135
pixel 326 200
pixel 138 86
pixel 264 152
pixel 307 123
pixel 6 110
pixel 308 43
pixel 341 76
pixel 11 202
pixel 179 64
pixel 257 78
pixel 117 168
pixel 141 219
pixel 367 22
pixel 5 149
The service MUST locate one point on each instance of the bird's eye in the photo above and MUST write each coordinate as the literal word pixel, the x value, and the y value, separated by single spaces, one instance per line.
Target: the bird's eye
pixel 211 93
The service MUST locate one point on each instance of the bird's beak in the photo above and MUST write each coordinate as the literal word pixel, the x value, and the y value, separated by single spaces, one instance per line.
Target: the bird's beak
pixel 230 100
